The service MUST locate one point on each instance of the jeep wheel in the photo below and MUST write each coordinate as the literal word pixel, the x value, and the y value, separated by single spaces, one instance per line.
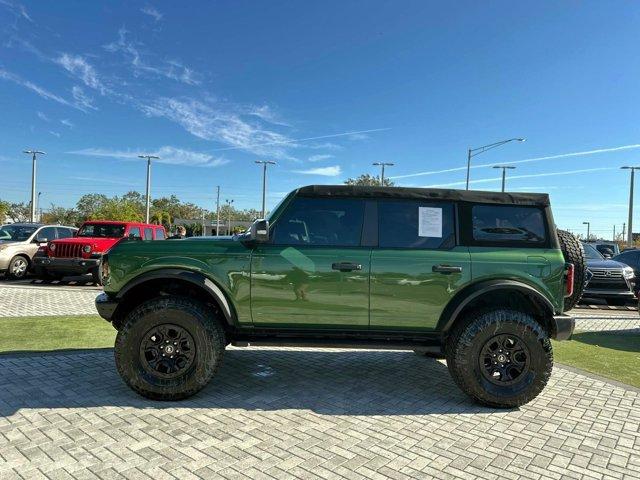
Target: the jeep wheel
pixel 18 267
pixel 169 348
pixel 500 358
pixel 573 253
pixel 95 276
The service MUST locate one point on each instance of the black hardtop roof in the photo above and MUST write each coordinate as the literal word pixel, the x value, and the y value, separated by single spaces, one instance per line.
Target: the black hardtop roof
pixel 471 196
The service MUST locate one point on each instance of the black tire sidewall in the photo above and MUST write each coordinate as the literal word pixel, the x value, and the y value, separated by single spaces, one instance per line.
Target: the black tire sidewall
pixel 464 358
pixel 208 353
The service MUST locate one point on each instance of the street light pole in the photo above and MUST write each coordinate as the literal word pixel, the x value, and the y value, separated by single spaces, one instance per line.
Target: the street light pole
pixel 382 165
pixel 630 222
pixel 33 153
pixel 218 213
pixel 264 164
pixel 588 224
pixel 38 209
pixel 148 157
pixel 229 206
pixel 504 172
pixel 472 152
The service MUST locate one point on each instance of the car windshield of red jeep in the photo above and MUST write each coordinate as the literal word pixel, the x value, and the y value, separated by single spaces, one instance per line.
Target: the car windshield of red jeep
pixel 101 230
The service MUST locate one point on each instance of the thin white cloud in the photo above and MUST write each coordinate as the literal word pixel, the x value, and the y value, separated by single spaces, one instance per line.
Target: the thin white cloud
pixel 43 117
pixel 319 158
pixel 152 12
pixel 67 123
pixel 44 93
pixel 534 175
pixel 55 134
pixel 82 99
pixel 266 114
pixel 167 154
pixel 17 9
pixel 333 171
pixel 80 67
pixel 172 69
pixel 526 160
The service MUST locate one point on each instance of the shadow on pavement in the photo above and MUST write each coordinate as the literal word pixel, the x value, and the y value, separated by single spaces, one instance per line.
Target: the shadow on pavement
pixel 623 340
pixel 331 383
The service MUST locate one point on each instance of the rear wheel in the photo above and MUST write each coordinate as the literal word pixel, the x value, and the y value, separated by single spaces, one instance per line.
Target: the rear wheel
pixel 573 253
pixel 500 358
pixel 18 267
pixel 169 348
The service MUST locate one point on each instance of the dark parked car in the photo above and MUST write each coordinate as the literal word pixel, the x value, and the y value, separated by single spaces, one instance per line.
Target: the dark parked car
pixel 632 258
pixel 608 279
pixel 607 249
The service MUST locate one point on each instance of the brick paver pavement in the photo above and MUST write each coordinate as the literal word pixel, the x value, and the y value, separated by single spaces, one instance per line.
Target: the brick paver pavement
pixel 27 301
pixel 292 413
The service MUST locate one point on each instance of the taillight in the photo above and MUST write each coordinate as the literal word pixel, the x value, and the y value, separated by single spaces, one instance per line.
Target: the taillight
pixel 570 271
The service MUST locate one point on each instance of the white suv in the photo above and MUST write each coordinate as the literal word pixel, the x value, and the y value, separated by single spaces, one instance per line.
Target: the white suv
pixel 19 242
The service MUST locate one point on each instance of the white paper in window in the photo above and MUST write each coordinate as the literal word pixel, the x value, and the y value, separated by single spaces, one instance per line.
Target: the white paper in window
pixel 429 222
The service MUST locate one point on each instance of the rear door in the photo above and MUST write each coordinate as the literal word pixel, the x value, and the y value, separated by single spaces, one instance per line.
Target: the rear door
pixel 417 267
pixel 314 272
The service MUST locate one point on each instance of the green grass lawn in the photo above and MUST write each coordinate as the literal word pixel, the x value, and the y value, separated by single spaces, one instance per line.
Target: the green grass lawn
pixel 27 334
pixel 611 355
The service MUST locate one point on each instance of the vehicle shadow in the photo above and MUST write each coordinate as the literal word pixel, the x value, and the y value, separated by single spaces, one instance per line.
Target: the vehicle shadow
pixel 623 340
pixel 325 382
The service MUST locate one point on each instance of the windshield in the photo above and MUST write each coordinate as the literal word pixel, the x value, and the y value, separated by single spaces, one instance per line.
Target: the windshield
pixel 591 253
pixel 101 230
pixel 16 233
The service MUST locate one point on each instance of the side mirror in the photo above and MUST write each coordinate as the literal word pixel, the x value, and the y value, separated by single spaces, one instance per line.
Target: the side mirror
pixel 259 231
pixel 40 239
pixel 607 255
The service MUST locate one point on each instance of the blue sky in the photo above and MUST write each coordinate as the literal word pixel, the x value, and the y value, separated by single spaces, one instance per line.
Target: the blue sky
pixel 324 89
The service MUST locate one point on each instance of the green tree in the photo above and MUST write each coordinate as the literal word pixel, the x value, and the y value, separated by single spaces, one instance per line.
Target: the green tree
pixel 161 218
pixel 368 180
pixel 4 210
pixel 62 216
pixel 118 209
pixel 89 204
pixel 19 212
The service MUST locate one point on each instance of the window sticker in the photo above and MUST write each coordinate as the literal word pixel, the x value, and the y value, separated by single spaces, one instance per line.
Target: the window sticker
pixel 430 222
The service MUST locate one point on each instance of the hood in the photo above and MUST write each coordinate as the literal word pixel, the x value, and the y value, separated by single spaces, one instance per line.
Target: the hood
pixel 605 263
pixel 96 243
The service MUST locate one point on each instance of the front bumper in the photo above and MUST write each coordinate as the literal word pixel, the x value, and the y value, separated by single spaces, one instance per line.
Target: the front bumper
pixel 608 293
pixel 106 306
pixel 66 265
pixel 563 327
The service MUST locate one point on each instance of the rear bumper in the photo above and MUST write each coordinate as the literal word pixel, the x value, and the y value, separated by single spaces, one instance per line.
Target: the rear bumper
pixel 563 327
pixel 106 306
pixel 66 265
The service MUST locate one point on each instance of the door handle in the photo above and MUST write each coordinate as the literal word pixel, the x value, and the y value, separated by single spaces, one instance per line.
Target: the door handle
pixel 346 266
pixel 446 269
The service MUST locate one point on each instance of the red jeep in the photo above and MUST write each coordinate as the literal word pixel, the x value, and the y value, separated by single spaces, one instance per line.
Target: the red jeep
pixel 81 254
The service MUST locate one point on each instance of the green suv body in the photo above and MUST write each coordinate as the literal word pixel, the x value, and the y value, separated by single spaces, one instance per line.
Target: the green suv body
pixel 476 277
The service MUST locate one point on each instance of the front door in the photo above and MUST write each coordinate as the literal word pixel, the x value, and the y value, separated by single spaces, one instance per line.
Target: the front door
pixel 314 272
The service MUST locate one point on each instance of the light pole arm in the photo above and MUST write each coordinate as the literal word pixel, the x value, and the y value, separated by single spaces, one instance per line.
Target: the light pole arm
pixel 477 151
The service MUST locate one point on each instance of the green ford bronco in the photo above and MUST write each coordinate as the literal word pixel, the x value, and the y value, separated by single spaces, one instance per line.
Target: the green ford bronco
pixel 479 278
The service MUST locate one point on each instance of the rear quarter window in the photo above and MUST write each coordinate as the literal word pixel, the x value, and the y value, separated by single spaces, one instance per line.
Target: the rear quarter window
pixel 160 234
pixel 508 225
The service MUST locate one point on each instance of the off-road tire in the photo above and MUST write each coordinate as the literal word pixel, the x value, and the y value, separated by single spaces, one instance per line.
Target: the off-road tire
pixel 202 325
pixel 15 270
pixel 465 344
pixel 573 253
pixel 436 355
pixel 95 276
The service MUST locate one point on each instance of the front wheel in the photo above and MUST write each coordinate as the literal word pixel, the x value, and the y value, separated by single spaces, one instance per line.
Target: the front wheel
pixel 18 267
pixel 500 358
pixel 169 348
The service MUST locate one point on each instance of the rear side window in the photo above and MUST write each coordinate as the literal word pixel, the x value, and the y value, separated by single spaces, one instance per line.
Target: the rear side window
pixel 148 233
pixel 160 234
pixel 321 222
pixel 415 224
pixel 508 224
pixel 64 232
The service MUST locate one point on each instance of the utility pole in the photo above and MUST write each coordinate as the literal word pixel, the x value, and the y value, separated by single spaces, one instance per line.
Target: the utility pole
pixel 229 207
pixel 624 225
pixel 33 153
pixel 148 158
pixel 504 172
pixel 382 165
pixel 614 234
pixel 588 224
pixel 218 212
pixel 38 209
pixel 630 221
pixel 264 164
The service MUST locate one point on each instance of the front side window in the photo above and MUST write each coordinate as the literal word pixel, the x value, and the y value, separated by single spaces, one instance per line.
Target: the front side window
pixel 506 224
pixel 321 221
pixel 102 230
pixel 415 224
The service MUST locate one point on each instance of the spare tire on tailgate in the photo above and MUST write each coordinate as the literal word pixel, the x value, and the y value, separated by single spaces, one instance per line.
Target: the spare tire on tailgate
pixel 573 253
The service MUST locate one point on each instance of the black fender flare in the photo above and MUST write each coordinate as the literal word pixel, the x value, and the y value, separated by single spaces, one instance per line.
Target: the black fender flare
pixel 195 278
pixel 470 293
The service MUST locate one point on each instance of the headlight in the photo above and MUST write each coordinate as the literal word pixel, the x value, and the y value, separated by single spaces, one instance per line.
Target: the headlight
pixel 52 247
pixel 86 249
pixel 627 272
